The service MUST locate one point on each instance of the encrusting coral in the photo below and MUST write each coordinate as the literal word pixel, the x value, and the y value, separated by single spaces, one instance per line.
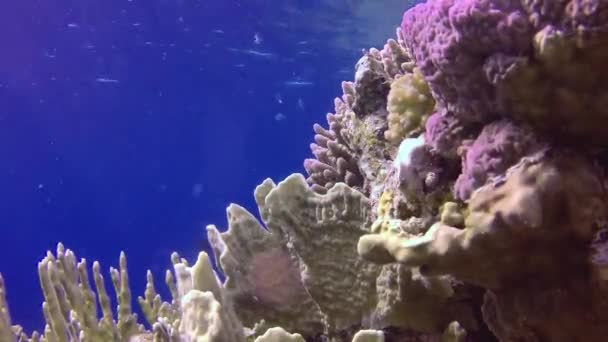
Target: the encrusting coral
pixel 458 194
pixel 409 104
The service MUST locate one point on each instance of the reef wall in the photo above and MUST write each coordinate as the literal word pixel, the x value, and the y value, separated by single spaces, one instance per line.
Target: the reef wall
pixel 457 194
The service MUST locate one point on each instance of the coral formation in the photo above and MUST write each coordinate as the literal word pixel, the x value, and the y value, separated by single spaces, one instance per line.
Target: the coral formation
pixel 459 194
pixel 409 104
pixel 335 159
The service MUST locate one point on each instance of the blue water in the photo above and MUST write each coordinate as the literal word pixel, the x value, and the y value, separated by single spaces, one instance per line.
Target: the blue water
pixel 132 124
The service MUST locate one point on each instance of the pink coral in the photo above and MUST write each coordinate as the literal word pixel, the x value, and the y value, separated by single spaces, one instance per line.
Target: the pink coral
pixel 452 41
pixel 500 145
pixel 537 61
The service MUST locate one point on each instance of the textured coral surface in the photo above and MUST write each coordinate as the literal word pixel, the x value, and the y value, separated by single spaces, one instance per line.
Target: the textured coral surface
pixel 458 193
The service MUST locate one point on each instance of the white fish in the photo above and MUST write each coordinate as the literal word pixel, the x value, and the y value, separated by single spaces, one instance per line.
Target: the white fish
pixel 259 53
pixel 299 83
pixel 197 189
pixel 73 25
pixel 301 104
pixel 257 38
pixel 217 31
pixel 278 97
pixel 106 80
pixel 280 117
pixel 253 52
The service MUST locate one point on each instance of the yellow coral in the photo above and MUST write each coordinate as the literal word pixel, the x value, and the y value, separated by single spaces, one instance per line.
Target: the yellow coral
pixel 384 222
pixel 409 104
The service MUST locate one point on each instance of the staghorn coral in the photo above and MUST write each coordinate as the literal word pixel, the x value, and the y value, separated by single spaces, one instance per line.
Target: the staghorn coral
pixel 335 160
pixel 353 150
pixel 71 305
pixel 6 333
pixel 374 73
pixel 371 84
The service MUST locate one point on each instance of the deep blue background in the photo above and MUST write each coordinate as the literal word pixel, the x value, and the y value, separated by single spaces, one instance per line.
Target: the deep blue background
pixel 131 125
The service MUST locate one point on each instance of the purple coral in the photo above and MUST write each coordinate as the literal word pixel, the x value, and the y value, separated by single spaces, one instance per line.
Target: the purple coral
pixel 444 133
pixel 334 162
pixel 584 18
pixel 526 60
pixel 500 145
pixel 452 40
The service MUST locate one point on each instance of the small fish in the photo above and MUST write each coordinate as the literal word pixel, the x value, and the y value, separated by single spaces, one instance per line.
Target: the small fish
pixel 240 65
pixel 197 189
pixel 301 104
pixel 259 53
pixel 278 97
pixel 280 117
pixel 298 83
pixel 73 25
pixel 106 80
pixel 218 31
pixel 253 52
pixel 257 38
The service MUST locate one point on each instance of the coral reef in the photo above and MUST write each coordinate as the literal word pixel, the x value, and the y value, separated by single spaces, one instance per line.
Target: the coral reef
pixel 409 104
pixel 458 194
pixel 335 158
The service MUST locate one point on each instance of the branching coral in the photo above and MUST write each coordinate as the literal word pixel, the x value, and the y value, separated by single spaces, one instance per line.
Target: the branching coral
pixel 374 73
pixel 335 160
pixel 303 272
pixel 70 306
pixel 353 150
